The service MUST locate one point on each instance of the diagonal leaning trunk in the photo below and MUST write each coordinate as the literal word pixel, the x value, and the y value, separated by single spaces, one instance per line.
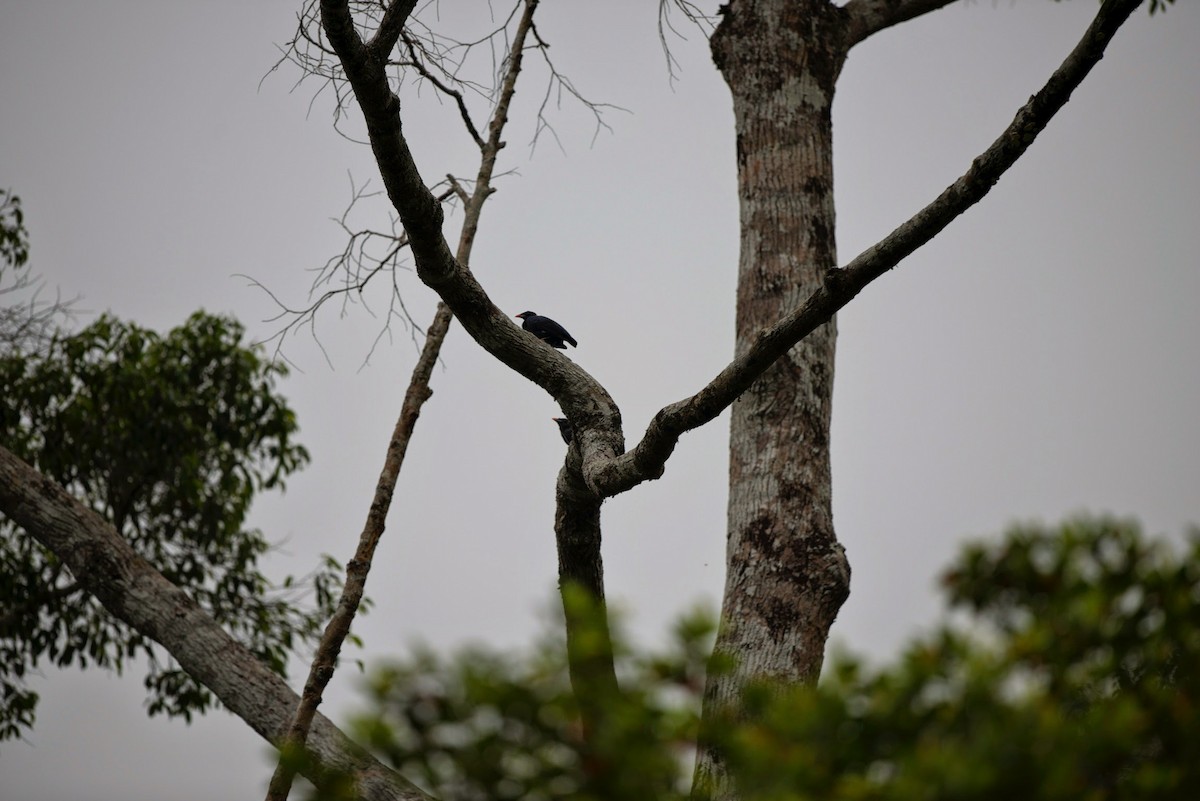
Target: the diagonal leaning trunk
pixel 787 576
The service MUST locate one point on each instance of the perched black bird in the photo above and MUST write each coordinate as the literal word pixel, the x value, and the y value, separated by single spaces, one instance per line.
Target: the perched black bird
pixel 564 428
pixel 546 330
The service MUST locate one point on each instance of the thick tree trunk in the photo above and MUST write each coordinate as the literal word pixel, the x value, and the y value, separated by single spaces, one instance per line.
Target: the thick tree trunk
pixel 787 575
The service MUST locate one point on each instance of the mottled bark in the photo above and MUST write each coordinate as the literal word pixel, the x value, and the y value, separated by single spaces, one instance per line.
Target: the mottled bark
pixel 787 575
pixel 590 656
pixel 581 568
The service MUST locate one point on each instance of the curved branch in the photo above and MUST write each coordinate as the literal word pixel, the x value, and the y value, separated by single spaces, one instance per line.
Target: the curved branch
pixel 583 399
pixel 325 662
pixel 646 461
pixel 416 63
pixel 865 17
pixel 391 27
pixel 130 588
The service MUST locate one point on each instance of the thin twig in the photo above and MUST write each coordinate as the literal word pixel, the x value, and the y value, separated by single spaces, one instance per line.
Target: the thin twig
pixel 325 661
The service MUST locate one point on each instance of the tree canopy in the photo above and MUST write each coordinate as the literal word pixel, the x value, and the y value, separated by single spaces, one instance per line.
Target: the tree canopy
pixel 170 438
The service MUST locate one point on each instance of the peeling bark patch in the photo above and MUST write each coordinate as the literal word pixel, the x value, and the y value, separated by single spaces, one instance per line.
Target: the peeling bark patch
pixel 796 492
pixel 816 185
pixel 799 577
pixel 821 235
pixel 814 583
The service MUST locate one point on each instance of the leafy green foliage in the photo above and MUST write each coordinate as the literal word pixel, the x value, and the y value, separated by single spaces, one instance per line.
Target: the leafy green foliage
pixel 1070 670
pixel 14 239
pixel 1073 676
pixel 484 725
pixel 169 438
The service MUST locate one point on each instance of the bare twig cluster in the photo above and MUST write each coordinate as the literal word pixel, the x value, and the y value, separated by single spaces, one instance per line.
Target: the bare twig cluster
pixel 693 14
pixel 368 256
pixel 465 73
pixel 351 263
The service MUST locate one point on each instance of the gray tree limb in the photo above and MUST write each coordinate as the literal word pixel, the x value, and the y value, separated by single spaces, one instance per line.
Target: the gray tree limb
pixel 865 17
pixel 584 400
pixel 325 661
pixel 131 589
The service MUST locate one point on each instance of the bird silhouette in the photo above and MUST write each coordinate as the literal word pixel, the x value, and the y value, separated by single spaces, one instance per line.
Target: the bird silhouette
pixel 564 428
pixel 546 330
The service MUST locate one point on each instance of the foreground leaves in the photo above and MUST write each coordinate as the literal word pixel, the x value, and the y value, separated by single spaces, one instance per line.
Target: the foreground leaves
pixel 1069 672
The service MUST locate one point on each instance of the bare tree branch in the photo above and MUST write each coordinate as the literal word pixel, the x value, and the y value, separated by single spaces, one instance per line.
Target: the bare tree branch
pixel 865 17
pixel 417 63
pixel 424 56
pixel 366 253
pixel 130 588
pixel 693 14
pixel 391 27
pixel 558 86
pixel 584 400
pixel 646 460
pixel 325 661
pixel 326 658
pixel 594 415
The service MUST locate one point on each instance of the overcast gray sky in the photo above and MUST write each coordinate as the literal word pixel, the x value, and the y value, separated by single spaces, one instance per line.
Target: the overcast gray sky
pixel 1036 360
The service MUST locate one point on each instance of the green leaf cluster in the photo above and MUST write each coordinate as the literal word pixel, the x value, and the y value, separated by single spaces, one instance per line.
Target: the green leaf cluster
pixel 27 319
pixel 486 725
pixel 14 238
pixel 1068 668
pixel 169 437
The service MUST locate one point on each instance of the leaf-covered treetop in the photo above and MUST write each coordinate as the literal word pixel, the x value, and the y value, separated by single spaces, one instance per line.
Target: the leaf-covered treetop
pixel 169 438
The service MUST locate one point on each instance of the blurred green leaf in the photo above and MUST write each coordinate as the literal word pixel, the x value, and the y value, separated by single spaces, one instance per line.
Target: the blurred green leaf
pixel 1070 672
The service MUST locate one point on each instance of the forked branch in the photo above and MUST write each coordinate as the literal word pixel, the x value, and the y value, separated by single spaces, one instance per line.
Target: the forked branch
pixel 647 459
pixel 865 17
